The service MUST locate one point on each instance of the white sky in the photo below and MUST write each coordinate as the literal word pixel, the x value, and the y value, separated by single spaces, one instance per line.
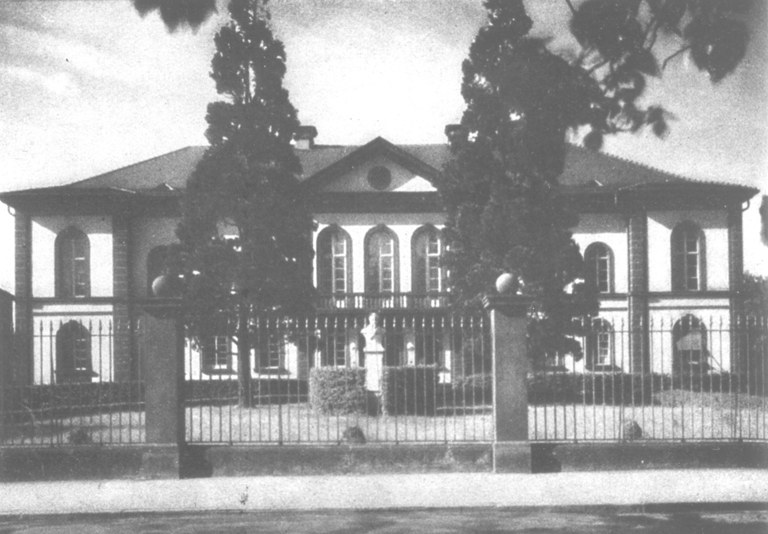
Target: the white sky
pixel 89 86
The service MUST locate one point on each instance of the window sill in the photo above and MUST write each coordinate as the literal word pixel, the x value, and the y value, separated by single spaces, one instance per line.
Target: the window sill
pixel 218 370
pixel 272 371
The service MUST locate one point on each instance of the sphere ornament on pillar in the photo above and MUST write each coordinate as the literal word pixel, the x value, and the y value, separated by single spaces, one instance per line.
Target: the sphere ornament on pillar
pixel 166 296
pixel 507 284
pixel 166 286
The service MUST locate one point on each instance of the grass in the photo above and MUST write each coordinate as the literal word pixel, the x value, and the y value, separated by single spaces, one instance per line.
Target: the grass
pixel 674 415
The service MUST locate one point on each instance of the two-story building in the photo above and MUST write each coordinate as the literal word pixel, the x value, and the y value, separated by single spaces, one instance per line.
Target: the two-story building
pixel 661 249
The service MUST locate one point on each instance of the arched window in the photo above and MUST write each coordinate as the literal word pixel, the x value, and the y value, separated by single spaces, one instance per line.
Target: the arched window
pixel 381 265
pixel 689 346
pixel 334 261
pixel 598 265
pixel 73 264
pixel 427 249
pixel 73 353
pixel 688 258
pixel 600 345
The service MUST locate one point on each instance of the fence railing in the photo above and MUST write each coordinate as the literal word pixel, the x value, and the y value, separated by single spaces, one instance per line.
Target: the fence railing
pixel 306 382
pixel 679 380
pixel 75 396
pixel 382 301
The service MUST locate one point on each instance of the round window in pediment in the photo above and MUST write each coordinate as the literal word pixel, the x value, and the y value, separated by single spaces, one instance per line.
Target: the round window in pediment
pixel 379 177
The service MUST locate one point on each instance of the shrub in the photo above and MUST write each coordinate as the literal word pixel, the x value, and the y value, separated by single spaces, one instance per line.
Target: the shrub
pixel 554 387
pixel 335 390
pixel 468 390
pixel 409 390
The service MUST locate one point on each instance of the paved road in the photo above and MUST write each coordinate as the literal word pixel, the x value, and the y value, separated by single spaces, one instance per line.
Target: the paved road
pixel 702 521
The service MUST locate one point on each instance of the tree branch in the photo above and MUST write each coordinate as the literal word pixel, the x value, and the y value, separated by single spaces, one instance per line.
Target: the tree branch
pixel 597 65
pixel 672 56
pixel 573 9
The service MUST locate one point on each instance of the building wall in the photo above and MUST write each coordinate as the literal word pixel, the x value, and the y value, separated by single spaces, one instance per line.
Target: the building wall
pixel 714 224
pixel 357 225
pixel 44 232
pixel 611 229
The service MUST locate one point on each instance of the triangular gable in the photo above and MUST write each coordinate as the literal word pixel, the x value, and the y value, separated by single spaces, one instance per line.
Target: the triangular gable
pixel 377 152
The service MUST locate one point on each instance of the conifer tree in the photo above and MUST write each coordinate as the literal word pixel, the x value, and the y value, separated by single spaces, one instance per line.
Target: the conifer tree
pixel 245 229
pixel 505 209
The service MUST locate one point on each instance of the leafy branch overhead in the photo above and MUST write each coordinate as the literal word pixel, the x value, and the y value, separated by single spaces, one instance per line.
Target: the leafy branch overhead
pixel 178 13
pixel 621 46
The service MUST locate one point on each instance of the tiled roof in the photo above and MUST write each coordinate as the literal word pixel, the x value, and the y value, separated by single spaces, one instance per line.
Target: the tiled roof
pixel 584 169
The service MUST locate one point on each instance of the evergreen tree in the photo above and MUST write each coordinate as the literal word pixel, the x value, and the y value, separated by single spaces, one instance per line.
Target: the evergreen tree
pixel 505 209
pixel 245 229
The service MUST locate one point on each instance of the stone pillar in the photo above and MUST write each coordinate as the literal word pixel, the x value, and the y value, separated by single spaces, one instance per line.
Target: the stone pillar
pixel 22 363
pixel 739 337
pixel 511 450
pixel 163 337
pixel 6 355
pixel 637 236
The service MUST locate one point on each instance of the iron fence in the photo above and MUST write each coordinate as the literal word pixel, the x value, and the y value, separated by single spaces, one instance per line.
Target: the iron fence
pixel 308 380
pixel 305 381
pixel 75 393
pixel 682 379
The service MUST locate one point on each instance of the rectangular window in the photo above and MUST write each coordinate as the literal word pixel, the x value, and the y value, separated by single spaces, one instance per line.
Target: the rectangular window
pixel 691 262
pixel 271 350
pixel 386 261
pixel 603 273
pixel 339 246
pixel 217 353
pixel 338 348
pixel 604 348
pixel 434 280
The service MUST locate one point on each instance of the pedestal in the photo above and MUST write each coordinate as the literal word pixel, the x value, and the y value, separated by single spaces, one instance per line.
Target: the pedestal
pixel 374 370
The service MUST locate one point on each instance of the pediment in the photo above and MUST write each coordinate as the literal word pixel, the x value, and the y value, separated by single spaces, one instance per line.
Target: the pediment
pixel 377 167
pixel 380 174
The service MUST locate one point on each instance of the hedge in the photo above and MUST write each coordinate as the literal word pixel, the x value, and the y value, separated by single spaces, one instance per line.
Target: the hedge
pixel 409 390
pixel 337 390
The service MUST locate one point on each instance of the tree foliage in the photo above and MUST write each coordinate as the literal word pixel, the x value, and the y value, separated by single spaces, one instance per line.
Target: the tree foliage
pixel 755 291
pixel 504 204
pixel 245 229
pixel 178 13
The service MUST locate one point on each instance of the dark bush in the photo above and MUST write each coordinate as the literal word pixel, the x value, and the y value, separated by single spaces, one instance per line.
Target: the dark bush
pixel 468 390
pixel 548 387
pixel 409 390
pixel 337 390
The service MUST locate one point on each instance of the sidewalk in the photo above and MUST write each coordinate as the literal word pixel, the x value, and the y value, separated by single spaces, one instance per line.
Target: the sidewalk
pixel 372 492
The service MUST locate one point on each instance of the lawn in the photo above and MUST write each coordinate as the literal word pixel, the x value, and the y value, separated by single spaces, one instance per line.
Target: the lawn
pixel 675 415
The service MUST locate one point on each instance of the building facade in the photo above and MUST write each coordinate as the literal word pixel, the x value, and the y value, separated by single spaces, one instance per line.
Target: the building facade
pixel 661 250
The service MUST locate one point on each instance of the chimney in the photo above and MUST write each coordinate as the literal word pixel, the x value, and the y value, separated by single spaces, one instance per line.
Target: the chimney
pixel 453 131
pixel 304 138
